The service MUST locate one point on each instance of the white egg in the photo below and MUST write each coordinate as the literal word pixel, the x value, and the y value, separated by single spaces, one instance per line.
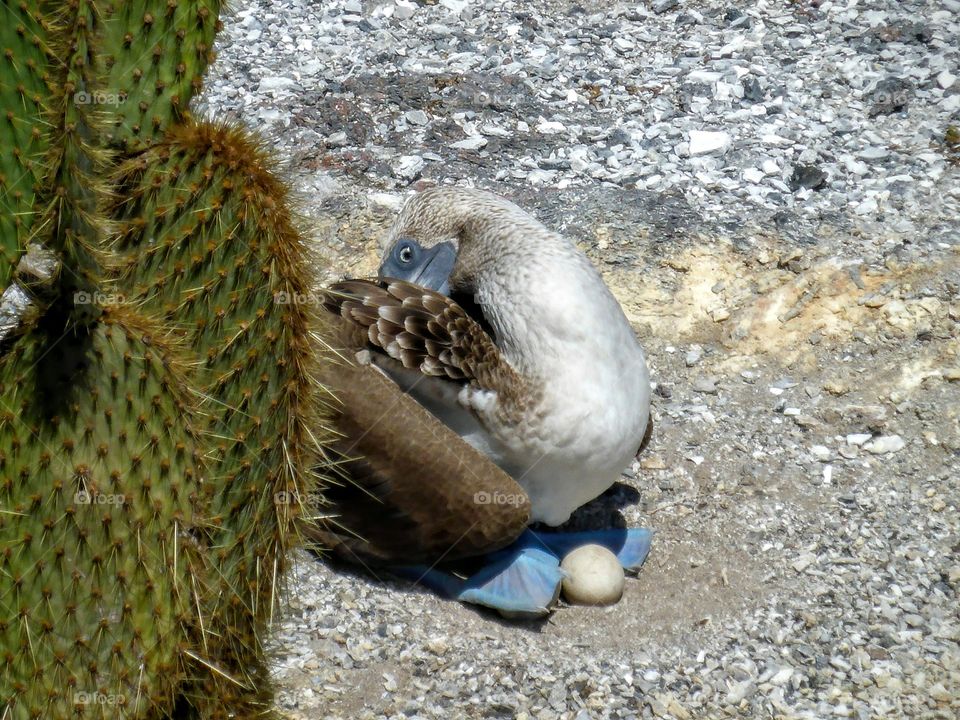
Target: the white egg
pixel 595 576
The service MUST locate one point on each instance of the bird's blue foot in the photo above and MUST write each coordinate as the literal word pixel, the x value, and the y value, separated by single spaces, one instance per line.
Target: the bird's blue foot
pixel 524 581
pixel 524 578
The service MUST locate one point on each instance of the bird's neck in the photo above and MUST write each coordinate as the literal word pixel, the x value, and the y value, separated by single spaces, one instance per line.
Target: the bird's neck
pixel 549 310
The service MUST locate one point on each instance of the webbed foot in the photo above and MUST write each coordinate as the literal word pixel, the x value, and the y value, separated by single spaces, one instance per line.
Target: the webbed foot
pixel 518 582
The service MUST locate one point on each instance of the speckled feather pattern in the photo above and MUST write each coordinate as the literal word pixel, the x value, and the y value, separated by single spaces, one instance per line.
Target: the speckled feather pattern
pixel 426 331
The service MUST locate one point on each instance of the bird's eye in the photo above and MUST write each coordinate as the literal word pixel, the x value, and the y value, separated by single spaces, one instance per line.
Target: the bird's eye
pixel 405 254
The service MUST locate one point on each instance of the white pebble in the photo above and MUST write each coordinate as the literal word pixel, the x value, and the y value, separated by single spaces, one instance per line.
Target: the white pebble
pixel 946 79
pixel 548 127
pixel 704 142
pixel 404 10
pixel 474 142
pixel 885 444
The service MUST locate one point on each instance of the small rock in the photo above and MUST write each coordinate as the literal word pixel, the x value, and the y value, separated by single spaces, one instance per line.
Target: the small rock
pixel 705 142
pixel 438 646
pixel 946 79
pixel 836 387
pixel 891 95
pixel 548 127
pixel 752 89
pixel 409 167
pixel 784 383
pixel 404 9
pixel 387 201
pixel 595 576
pixel 653 462
pixel 740 691
pixel 474 142
pixel 874 152
pixel 276 82
pixel 662 6
pixel 705 385
pixel 821 453
pixel 456 6
pixel 807 176
pixel 337 139
pixel 782 676
pixel 672 708
pixel 389 682
pixel 939 693
pixel 804 561
pixel 416 117
pixel 885 444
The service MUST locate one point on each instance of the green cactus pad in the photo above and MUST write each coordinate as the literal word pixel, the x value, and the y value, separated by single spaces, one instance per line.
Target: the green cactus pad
pixel 74 186
pixel 208 246
pixel 154 55
pixel 97 550
pixel 152 461
pixel 25 93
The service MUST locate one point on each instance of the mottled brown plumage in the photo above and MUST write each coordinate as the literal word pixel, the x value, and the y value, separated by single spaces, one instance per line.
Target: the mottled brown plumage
pixel 411 490
pixel 430 333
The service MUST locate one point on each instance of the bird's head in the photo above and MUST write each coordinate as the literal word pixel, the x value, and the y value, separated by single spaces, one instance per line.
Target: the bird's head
pixel 444 238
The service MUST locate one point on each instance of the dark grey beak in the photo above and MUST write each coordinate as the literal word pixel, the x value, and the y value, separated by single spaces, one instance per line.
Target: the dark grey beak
pixel 429 268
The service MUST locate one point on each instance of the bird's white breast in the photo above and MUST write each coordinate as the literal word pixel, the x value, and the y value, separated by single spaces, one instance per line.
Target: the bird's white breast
pixel 568 335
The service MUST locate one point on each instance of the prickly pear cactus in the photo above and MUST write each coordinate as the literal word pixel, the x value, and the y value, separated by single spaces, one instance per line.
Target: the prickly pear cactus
pixel 155 389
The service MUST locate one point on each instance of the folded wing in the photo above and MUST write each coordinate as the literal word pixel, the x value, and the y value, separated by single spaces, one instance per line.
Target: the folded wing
pixel 409 489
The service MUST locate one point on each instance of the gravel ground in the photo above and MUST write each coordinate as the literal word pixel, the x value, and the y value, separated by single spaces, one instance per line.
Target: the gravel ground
pixel 771 190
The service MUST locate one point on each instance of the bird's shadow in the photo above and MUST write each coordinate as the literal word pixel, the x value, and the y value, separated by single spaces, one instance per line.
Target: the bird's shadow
pixel 601 513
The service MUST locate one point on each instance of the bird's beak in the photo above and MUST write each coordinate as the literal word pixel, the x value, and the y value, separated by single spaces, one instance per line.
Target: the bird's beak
pixel 433 270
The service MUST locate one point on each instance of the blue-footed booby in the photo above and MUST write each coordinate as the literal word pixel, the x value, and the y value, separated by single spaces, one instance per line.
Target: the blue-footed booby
pixel 494 381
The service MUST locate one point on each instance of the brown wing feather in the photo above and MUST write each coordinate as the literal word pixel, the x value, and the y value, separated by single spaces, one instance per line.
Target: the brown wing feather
pixel 411 485
pixel 425 331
